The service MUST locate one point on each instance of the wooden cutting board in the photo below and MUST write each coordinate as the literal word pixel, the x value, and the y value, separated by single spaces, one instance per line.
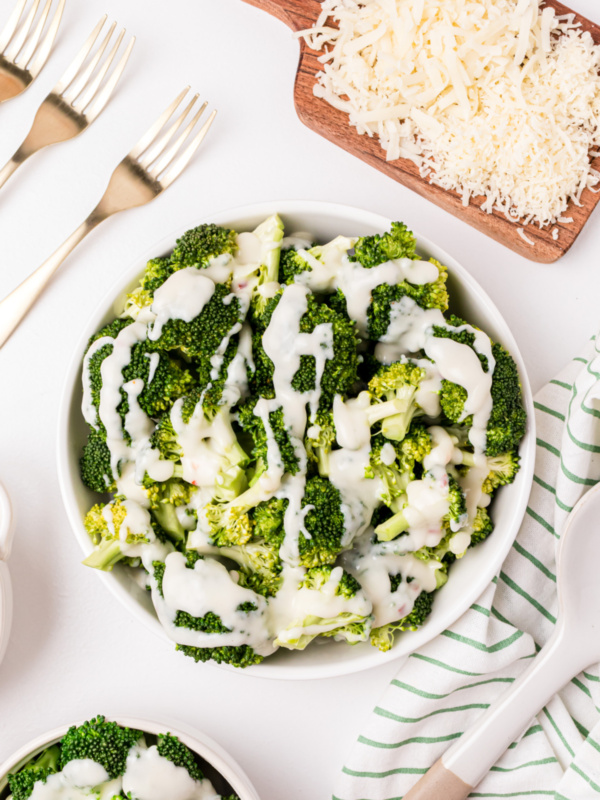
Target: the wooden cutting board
pixel 333 125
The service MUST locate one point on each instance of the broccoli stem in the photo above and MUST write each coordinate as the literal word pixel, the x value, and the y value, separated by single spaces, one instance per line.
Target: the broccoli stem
pixel 166 516
pixel 105 555
pixel 392 527
pixel 379 411
pixel 396 426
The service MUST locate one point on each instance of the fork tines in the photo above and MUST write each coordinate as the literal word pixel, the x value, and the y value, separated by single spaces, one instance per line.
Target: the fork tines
pixel 167 147
pixel 26 39
pixel 87 85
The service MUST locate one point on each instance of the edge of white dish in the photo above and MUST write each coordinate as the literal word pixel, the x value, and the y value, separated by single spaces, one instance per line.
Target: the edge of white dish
pixel 481 564
pixel 6 595
pixel 201 744
pixel 6 524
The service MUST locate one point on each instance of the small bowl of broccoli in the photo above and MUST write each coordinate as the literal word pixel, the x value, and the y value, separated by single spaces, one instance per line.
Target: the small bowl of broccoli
pixel 137 759
pixel 296 439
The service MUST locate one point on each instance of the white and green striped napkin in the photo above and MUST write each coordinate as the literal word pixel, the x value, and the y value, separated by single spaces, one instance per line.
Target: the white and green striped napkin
pixel 442 689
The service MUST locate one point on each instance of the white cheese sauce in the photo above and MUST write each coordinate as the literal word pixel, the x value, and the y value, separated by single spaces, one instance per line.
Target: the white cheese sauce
pixel 182 296
pixel 209 586
pixel 372 564
pixel 147 776
pixel 150 776
pixel 74 782
pixel 309 612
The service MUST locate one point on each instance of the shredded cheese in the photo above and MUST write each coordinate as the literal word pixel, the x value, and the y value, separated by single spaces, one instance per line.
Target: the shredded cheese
pixel 524 236
pixel 488 97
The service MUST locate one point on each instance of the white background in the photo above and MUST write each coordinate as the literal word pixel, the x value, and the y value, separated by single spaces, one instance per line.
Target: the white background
pixel 73 651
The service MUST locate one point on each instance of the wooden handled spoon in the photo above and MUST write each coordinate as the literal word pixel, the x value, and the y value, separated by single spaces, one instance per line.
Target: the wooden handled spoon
pixel 574 645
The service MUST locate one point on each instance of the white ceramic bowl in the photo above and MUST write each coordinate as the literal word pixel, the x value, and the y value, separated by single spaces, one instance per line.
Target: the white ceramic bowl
pixel 468 577
pixel 205 747
pixel 6 598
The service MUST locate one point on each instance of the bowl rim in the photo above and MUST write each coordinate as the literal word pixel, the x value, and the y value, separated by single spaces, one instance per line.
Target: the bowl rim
pixel 199 742
pixel 358 216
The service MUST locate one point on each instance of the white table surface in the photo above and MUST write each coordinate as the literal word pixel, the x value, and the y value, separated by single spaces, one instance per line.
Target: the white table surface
pixel 73 651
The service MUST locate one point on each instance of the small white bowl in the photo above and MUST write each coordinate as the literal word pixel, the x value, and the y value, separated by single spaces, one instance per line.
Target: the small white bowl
pixel 6 597
pixel 468 577
pixel 201 744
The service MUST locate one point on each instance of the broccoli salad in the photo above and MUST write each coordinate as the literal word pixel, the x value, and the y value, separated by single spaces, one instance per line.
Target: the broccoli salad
pixel 299 438
pixel 103 760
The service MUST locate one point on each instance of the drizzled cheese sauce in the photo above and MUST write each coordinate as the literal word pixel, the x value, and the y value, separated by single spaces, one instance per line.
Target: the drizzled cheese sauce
pixel 148 776
pixel 209 586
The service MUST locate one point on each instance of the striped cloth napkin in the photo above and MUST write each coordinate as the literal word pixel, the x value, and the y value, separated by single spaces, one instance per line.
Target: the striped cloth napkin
pixel 443 688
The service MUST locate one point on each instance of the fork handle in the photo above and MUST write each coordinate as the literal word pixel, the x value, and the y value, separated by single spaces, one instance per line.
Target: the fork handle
pixel 15 306
pixel 13 165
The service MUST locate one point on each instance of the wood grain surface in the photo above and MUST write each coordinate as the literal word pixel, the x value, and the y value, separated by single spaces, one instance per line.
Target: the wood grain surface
pixel 333 125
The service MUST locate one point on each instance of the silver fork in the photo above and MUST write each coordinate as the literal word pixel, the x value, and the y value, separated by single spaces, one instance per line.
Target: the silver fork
pixel 24 48
pixel 155 162
pixel 77 99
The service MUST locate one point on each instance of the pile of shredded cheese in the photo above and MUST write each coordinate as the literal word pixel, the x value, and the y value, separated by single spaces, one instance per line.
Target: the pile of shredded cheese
pixel 488 97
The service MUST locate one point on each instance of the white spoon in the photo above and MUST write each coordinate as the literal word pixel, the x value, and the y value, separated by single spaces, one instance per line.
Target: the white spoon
pixel 574 645
pixel 6 530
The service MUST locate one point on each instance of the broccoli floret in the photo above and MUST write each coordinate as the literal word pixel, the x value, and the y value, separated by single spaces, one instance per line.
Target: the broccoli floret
pixel 461 332
pixel 229 524
pixel 103 524
pixel 199 245
pixel 414 447
pixel 164 498
pixel 216 441
pixel 259 565
pixel 503 470
pixel 164 439
pixel 453 396
pixel 267 519
pixel 506 425
pixel 179 754
pixel 347 586
pixel 341 370
pixel 324 523
pixel 383 637
pixel 387 470
pixel 294 267
pixel 426 295
pixel 319 441
pixel 196 248
pixel 482 526
pixel 155 274
pixel 94 363
pixel 270 234
pixel 258 558
pixel 291 264
pixel 174 491
pixel 95 463
pixel 240 656
pixel 203 339
pixel 352 623
pixel 112 330
pixel 371 251
pixel 393 398
pixel 21 783
pixel 396 468
pixel 253 425
pixel 261 311
pixel 454 518
pixel 170 380
pixel 207 623
pixel 102 741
